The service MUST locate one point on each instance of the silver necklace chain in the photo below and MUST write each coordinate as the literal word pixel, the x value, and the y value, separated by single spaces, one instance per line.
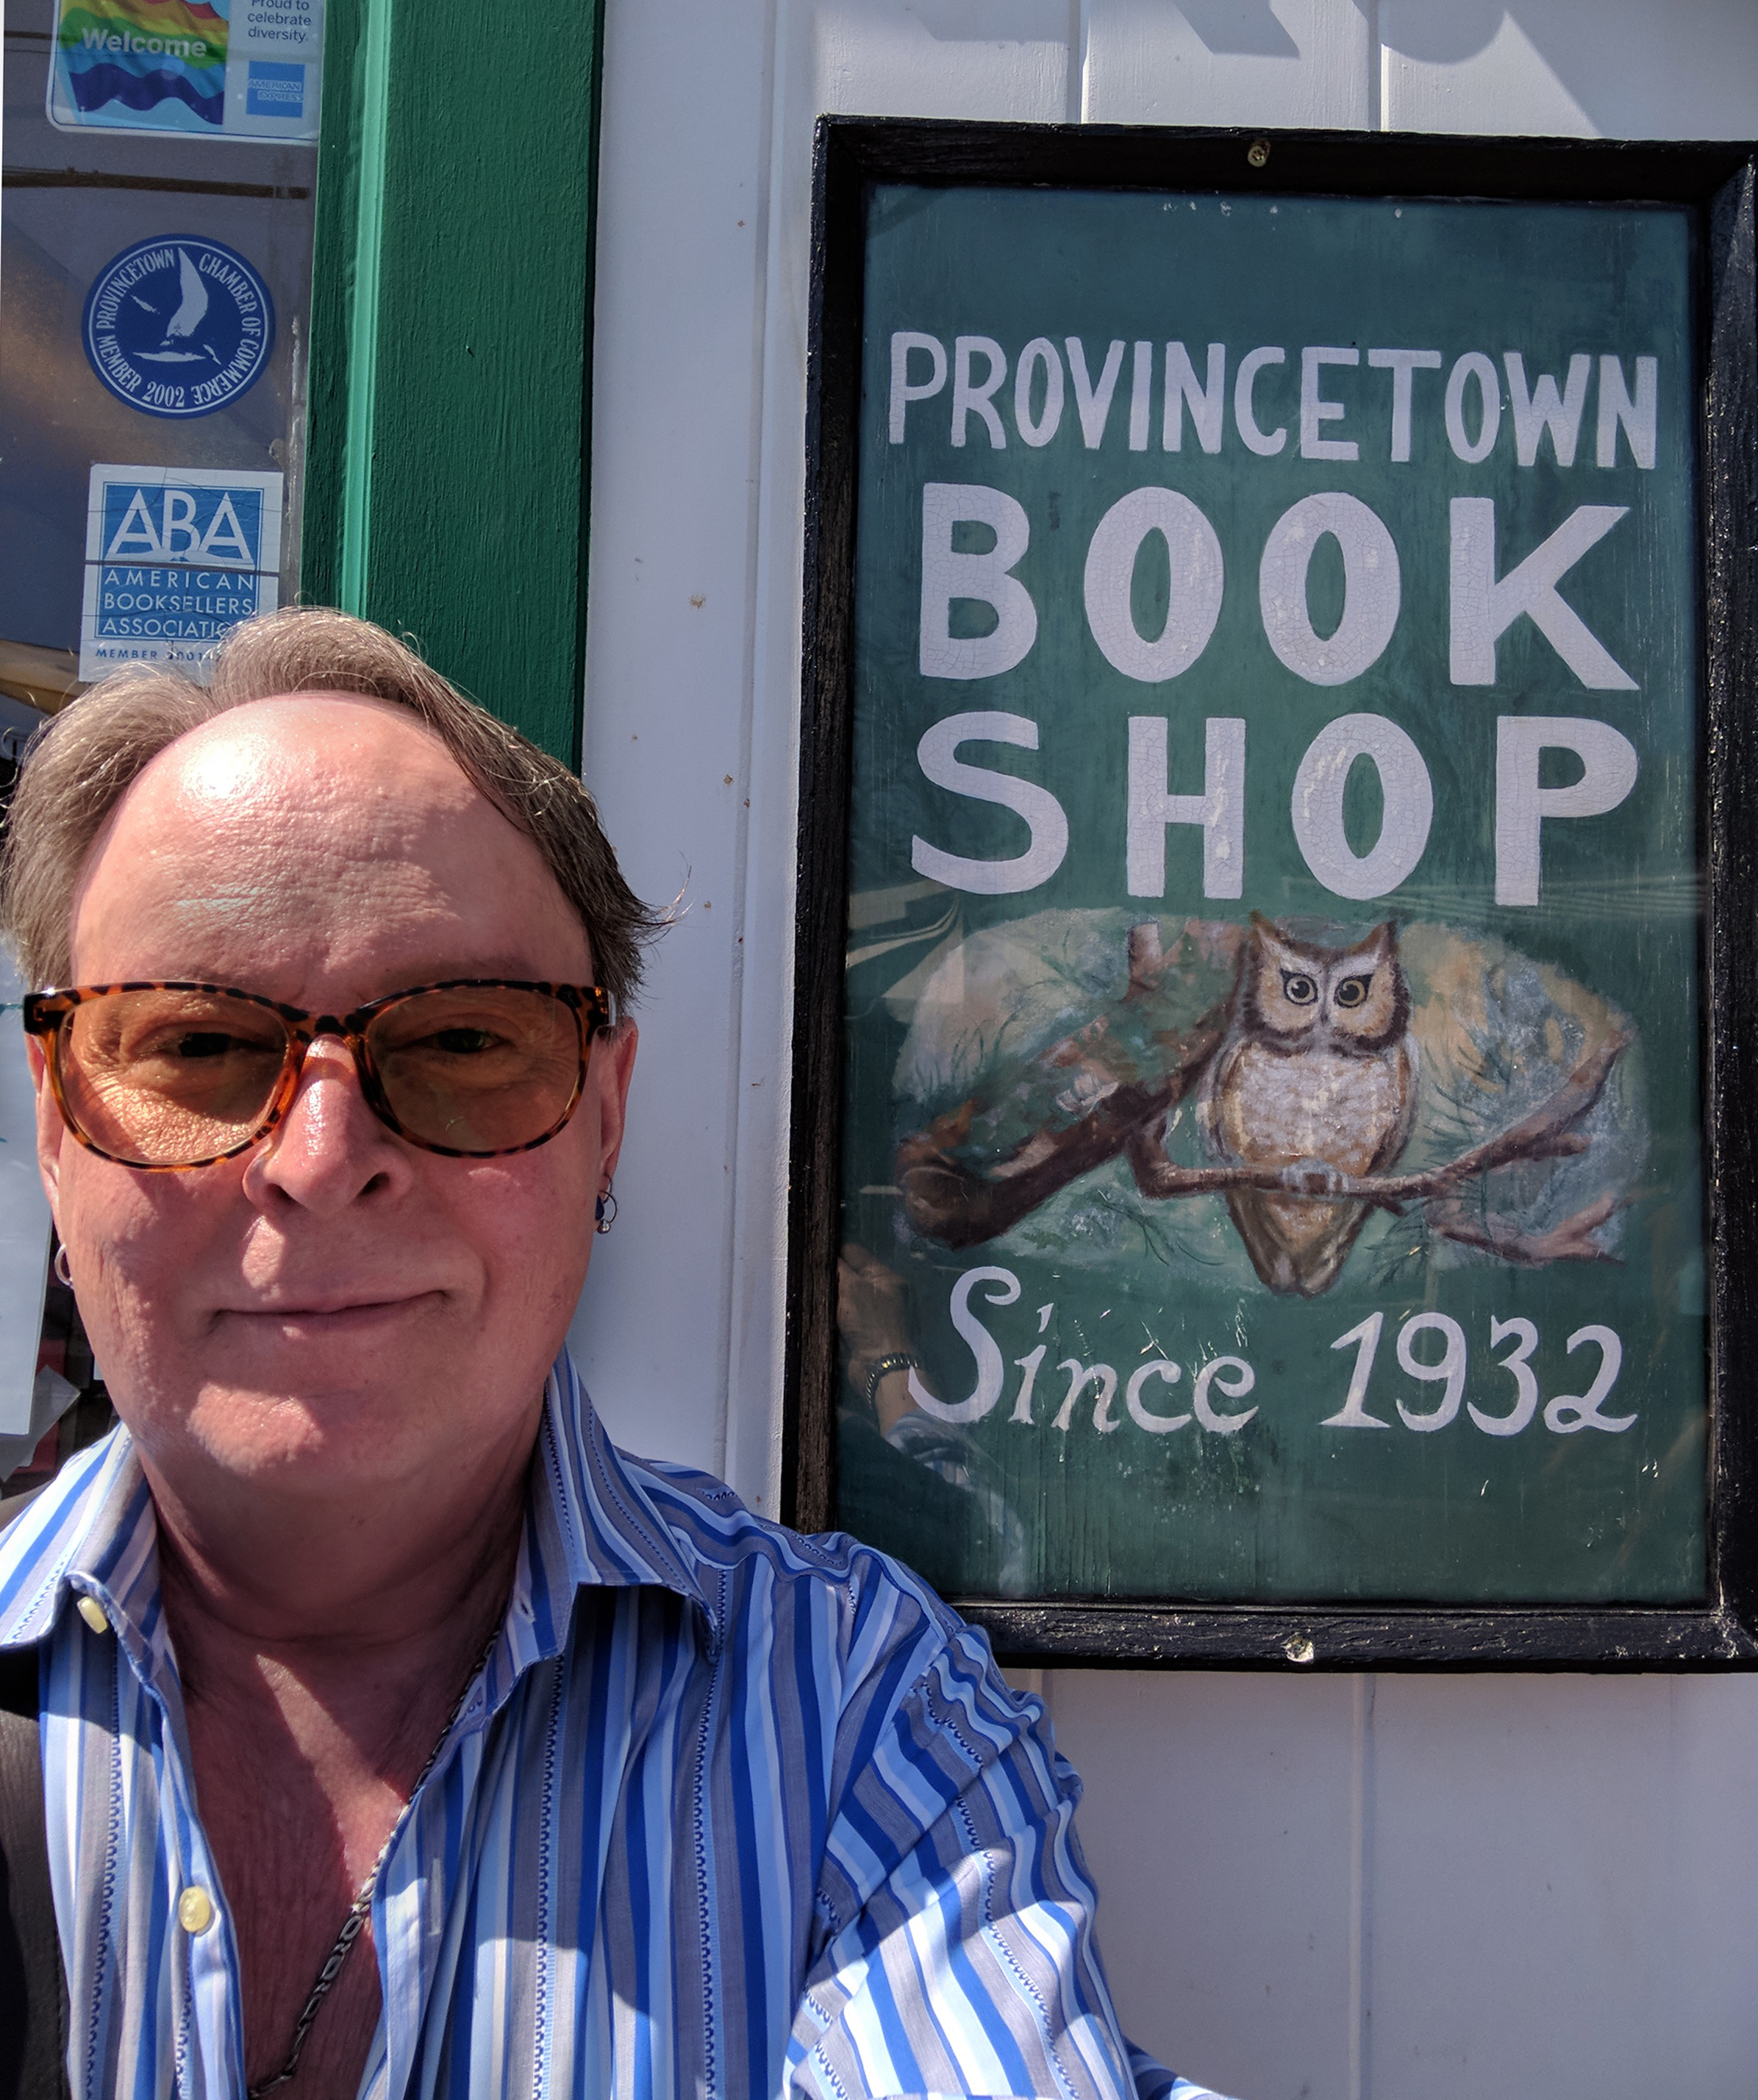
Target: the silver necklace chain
pixel 361 1909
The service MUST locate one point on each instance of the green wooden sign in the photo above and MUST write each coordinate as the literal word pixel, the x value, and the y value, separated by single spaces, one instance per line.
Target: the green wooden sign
pixel 1271 1141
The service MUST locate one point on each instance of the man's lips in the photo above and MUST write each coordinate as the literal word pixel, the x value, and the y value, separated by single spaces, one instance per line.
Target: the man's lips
pixel 326 1310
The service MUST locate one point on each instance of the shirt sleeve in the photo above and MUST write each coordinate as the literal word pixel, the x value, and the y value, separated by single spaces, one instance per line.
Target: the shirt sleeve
pixel 955 1951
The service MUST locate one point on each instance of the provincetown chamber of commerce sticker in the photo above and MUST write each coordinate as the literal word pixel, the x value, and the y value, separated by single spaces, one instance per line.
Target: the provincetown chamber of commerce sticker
pixel 179 325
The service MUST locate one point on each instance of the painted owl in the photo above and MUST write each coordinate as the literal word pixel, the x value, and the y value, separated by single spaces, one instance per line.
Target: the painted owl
pixel 1318 1065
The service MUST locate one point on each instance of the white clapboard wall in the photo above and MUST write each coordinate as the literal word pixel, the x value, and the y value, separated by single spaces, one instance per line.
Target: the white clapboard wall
pixel 1390 1888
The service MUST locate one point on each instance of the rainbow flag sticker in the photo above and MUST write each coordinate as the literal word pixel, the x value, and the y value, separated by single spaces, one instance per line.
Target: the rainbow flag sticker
pixel 218 69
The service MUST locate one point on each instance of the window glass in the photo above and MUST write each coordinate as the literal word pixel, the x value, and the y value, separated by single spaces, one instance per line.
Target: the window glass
pixel 156 231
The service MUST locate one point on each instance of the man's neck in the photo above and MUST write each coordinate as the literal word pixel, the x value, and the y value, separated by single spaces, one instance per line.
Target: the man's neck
pixel 337 1578
pixel 318 1674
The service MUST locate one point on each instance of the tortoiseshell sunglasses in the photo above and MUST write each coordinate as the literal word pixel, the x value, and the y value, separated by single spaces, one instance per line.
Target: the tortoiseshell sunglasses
pixel 168 1076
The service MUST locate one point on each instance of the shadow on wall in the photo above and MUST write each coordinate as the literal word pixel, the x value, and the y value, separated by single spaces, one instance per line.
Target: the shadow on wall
pixel 995 21
pixel 1441 34
pixel 1466 28
pixel 1633 68
pixel 1239 28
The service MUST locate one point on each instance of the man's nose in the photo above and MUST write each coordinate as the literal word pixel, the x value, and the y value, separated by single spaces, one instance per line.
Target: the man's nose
pixel 329 1149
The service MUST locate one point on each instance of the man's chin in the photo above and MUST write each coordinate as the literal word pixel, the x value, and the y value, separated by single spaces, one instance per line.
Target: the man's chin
pixel 319 1416
pixel 333 1439
pixel 334 1367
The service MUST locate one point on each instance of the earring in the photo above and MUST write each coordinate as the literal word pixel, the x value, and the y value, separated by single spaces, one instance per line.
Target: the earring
pixel 61 1269
pixel 605 1215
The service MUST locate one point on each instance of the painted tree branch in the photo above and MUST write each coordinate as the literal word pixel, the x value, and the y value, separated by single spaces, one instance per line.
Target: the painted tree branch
pixel 960 1205
pixel 1571 1240
pixel 948 1201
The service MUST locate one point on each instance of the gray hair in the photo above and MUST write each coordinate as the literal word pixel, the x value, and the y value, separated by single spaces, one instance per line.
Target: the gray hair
pixel 80 765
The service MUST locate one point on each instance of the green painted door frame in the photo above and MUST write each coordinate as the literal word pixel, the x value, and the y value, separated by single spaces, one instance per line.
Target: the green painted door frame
pixel 450 419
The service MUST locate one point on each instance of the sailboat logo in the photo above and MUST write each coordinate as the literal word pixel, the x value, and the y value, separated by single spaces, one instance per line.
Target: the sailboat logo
pixel 178 326
pixel 191 309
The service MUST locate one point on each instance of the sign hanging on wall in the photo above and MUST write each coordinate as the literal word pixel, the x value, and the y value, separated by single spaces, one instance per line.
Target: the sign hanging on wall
pixel 1262 758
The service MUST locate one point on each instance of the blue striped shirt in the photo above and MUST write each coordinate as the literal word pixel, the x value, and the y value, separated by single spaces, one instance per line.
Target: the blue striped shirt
pixel 728 1811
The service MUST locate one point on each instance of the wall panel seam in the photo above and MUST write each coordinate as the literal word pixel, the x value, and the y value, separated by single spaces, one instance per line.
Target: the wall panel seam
pixel 762 213
pixel 1362 1808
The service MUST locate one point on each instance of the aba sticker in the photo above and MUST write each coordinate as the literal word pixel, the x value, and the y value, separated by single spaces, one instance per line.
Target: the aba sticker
pixel 179 326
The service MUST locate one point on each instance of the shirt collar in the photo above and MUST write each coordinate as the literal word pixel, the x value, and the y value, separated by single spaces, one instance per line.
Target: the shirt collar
pixel 590 1521
pixel 590 1518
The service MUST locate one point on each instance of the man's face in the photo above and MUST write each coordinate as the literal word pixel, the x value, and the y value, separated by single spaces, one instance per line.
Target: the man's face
pixel 336 1310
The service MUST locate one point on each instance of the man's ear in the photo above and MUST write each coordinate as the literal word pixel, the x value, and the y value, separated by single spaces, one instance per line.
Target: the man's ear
pixel 611 1070
pixel 50 1129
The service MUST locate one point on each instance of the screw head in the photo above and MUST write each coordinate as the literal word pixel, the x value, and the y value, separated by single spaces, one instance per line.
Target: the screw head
pixel 1258 153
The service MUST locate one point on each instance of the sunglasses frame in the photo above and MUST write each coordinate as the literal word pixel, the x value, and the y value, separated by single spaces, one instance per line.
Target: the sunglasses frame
pixel 46 1012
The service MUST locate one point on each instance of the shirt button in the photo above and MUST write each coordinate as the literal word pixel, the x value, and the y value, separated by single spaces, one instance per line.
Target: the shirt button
pixel 92 1613
pixel 194 1910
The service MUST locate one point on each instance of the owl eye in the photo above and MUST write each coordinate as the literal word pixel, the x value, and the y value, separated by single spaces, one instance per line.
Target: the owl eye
pixel 1298 989
pixel 1352 991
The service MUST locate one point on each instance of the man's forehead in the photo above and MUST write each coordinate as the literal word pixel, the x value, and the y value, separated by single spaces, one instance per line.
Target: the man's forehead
pixel 313 826
pixel 300 748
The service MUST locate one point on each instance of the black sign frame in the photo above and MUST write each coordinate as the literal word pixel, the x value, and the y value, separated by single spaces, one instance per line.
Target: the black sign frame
pixel 1717 182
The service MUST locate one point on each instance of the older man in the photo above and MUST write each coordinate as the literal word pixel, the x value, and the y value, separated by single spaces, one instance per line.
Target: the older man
pixel 399 1735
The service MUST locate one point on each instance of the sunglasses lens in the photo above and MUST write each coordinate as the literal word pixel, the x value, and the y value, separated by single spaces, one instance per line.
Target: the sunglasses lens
pixel 479 1069
pixel 160 1077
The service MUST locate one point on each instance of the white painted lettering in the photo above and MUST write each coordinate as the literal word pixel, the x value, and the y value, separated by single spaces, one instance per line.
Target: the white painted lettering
pixel 1569 1413
pixel 981 1344
pixel 1040 353
pixel 1141 380
pixel 1219 810
pixel 1093 404
pixel 1266 443
pixel 986 578
pixel 1365 1341
pixel 1371 588
pixel 1544 409
pixel 1157 1425
pixel 1516 1363
pixel 1473 365
pixel 1448 1370
pixel 1080 1377
pixel 902 392
pixel 1637 416
pixel 1207 403
pixel 1407 795
pixel 1609 767
pixel 968 396
pixel 1315 410
pixel 1193 603
pixel 1401 363
pixel 1235 1378
pixel 1022 1400
pixel 1045 817
pixel 1484 607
